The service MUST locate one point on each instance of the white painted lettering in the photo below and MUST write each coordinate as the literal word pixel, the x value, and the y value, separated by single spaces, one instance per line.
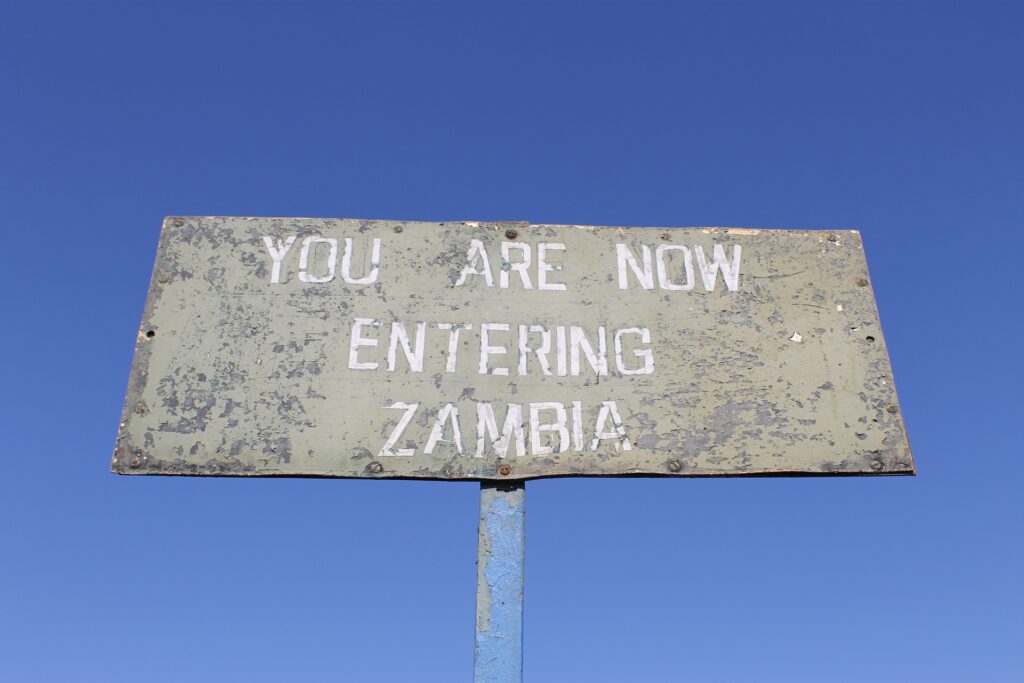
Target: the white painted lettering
pixel 277 252
pixel 453 342
pixel 446 414
pixel 562 350
pixel 647 355
pixel 578 341
pixel 625 257
pixel 389 446
pixel 543 267
pixel 486 350
pixel 357 341
pixel 308 245
pixel 346 264
pixel 487 428
pixel 577 426
pixel 476 253
pixel 663 280
pixel 413 356
pixel 618 432
pixel 709 271
pixel 537 429
pixel 521 267
pixel 541 351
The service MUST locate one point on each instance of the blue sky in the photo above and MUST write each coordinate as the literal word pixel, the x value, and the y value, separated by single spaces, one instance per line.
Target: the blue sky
pixel 900 119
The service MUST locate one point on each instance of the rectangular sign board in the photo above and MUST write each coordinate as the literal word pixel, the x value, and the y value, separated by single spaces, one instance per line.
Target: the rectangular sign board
pixel 490 351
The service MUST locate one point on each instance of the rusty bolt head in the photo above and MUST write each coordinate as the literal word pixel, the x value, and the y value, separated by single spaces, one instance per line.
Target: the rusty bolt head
pixel 862 282
pixel 504 470
pixel 511 234
pixel 397 228
pixel 141 408
pixel 135 462
pixel 665 236
pixel 891 409
pixel 674 466
pixel 831 237
pixel 178 222
pixel 375 468
pixel 876 464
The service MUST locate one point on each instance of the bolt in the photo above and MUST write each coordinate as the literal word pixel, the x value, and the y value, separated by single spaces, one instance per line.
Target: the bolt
pixel 891 409
pixel 375 468
pixel 397 228
pixel 876 464
pixel 511 234
pixel 674 466
pixel 140 407
pixel 505 470
pixel 862 282
pixel 664 236
pixel 830 237
pixel 135 462
pixel 163 276
pixel 178 222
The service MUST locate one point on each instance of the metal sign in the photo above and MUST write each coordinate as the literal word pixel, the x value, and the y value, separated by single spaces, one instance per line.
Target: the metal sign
pixel 507 351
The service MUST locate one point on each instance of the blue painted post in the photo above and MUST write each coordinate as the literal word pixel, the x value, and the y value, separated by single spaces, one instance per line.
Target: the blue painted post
pixel 501 554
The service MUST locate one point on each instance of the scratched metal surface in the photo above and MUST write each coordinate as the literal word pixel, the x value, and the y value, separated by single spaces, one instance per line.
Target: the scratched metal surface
pixel 500 571
pixel 236 375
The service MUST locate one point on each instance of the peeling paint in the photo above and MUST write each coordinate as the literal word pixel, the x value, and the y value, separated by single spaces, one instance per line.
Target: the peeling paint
pixel 758 371
pixel 501 553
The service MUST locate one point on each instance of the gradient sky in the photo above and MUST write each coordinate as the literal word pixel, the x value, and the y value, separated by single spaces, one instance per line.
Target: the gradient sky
pixel 903 120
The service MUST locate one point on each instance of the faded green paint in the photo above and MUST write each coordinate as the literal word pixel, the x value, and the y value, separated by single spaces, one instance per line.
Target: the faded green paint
pixel 237 375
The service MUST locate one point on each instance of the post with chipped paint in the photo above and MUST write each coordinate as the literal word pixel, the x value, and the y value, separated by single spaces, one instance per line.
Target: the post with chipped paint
pixel 501 555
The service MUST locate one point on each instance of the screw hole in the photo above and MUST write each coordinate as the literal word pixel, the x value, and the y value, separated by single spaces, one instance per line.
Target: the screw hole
pixel 869 338
pixel 150 333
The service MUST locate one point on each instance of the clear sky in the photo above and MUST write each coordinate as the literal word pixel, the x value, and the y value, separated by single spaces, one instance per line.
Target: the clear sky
pixel 901 119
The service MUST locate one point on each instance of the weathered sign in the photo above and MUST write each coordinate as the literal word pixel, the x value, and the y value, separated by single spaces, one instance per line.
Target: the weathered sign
pixel 355 348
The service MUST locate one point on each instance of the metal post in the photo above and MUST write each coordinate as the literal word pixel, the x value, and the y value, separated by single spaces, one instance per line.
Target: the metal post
pixel 501 553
